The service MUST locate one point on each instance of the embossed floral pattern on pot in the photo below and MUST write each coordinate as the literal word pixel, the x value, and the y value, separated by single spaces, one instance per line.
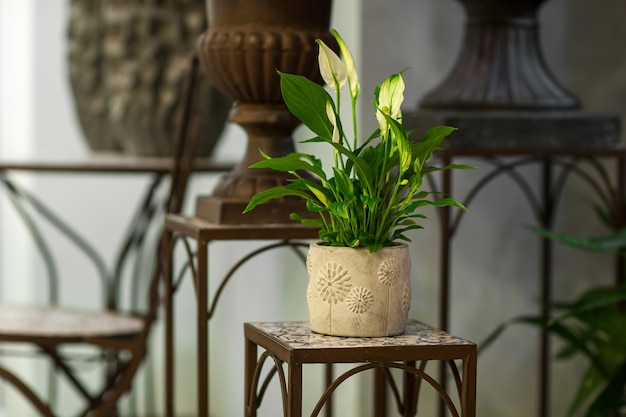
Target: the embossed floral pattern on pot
pixel 389 271
pixel 360 300
pixel 333 283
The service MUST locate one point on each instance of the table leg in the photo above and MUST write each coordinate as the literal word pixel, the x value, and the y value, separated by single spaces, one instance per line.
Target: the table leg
pixel 468 396
pixel 329 376
pixel 250 390
pixel 202 330
pixel 168 305
pixel 294 390
pixel 409 394
pixel 380 393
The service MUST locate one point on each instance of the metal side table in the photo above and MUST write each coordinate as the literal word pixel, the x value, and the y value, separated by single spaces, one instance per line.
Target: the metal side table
pixel 196 234
pixel 293 344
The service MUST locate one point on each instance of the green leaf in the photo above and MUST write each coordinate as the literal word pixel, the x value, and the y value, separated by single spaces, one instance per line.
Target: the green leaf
pixel 602 295
pixel 361 167
pixel 429 169
pixel 344 184
pixel 420 216
pixel 372 157
pixel 444 202
pixel 590 384
pixel 495 334
pixel 370 202
pixel 340 209
pixel 401 237
pixel 608 320
pixel 322 194
pixel 399 233
pixel 596 297
pixel 611 243
pixel 555 327
pixel 594 327
pixel 432 140
pixel 611 399
pixel 307 101
pixel 571 337
pixel 293 162
pixel 306 221
pixel 329 236
pixel 314 205
pixel 448 202
pixel 273 194
pixel 375 247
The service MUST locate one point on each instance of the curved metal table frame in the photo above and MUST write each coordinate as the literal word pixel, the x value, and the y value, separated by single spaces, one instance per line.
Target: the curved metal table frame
pixel 294 345
pixel 190 230
pixel 557 165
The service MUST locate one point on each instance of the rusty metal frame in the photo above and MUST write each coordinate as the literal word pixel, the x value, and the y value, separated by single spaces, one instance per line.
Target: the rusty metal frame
pixel 544 206
pixel 383 360
pixel 123 353
pixel 190 230
pixel 27 206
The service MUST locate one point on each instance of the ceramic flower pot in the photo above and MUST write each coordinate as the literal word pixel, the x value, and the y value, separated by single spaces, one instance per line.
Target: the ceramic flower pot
pixel 353 292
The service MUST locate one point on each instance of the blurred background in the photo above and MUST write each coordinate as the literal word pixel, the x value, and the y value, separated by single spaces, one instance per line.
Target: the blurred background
pixel 495 257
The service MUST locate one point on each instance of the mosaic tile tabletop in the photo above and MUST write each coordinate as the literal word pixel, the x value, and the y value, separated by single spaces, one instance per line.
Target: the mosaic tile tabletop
pixel 297 335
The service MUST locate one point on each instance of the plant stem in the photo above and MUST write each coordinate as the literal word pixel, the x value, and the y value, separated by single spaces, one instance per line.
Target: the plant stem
pixel 354 124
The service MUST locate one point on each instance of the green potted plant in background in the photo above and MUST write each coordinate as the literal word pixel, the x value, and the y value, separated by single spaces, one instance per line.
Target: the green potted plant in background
pixel 593 326
pixel 359 270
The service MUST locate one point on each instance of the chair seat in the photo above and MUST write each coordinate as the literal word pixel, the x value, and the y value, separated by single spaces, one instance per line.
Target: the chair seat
pixel 46 322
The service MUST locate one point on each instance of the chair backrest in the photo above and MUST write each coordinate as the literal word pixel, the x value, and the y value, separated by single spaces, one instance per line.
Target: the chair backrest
pixel 121 380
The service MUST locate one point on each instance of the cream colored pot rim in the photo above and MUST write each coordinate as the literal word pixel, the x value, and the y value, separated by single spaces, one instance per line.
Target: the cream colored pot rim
pixel 324 245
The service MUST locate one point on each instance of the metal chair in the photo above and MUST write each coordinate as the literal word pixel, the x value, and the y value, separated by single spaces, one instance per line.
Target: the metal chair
pixel 119 339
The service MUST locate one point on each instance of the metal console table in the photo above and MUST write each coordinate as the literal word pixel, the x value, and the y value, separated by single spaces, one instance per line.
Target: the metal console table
pixel 556 165
pixel 186 229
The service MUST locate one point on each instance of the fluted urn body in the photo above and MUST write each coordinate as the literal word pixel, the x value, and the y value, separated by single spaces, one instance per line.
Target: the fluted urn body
pixel 246 43
pixel 501 64
pixel 501 93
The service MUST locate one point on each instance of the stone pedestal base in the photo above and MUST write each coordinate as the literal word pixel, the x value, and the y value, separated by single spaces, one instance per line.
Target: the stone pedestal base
pixel 521 129
pixel 229 211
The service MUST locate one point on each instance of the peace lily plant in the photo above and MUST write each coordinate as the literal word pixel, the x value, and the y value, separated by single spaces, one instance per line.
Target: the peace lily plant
pixel 373 194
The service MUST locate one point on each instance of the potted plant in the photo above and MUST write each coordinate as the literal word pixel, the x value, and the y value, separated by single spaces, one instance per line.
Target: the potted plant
pixel 592 326
pixel 359 270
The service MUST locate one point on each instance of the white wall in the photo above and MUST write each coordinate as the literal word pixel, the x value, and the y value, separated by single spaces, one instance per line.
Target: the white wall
pixel 16 94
